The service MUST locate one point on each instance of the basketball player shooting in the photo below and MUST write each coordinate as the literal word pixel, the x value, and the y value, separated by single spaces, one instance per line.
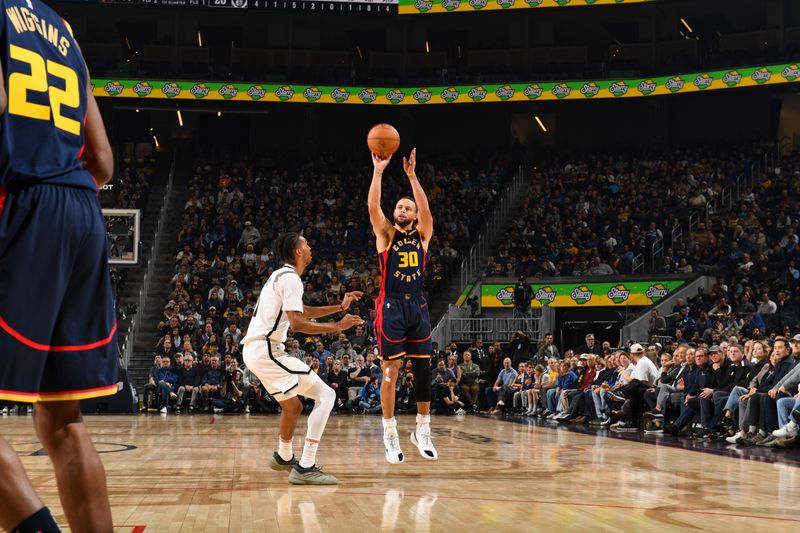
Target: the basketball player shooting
pixel 279 306
pixel 403 324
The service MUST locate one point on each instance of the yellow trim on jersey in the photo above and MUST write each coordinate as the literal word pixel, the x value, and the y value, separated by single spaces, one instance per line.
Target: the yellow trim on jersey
pixel 69 28
pixel 419 356
pixel 391 357
pixel 58 397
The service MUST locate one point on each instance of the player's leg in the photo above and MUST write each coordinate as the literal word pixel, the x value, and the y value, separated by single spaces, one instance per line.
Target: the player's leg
pixel 80 476
pixel 20 502
pixel 284 458
pixel 306 472
pixel 391 348
pixel 419 349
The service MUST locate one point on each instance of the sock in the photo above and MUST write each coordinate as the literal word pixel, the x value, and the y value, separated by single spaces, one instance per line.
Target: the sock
pixel 753 429
pixel 41 522
pixel 390 425
pixel 285 450
pixel 309 457
pixel 423 420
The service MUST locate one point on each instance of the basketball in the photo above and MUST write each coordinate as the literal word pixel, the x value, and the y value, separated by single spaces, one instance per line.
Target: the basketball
pixel 383 140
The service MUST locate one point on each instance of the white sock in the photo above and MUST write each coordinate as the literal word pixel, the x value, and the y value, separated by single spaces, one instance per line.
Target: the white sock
pixel 423 420
pixel 309 457
pixel 285 450
pixel 390 425
pixel 753 429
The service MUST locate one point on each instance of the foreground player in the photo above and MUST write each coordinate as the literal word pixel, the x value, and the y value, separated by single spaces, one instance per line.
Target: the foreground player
pixel 403 324
pixel 58 339
pixel 280 305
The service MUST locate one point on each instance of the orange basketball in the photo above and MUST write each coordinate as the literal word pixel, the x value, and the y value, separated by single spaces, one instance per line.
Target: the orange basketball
pixel 383 140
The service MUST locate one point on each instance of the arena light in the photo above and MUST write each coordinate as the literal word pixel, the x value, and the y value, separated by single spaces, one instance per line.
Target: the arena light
pixel 137 110
pixel 427 46
pixel 180 118
pixel 155 140
pixel 199 39
pixel 686 24
pixel 541 124
pixel 219 113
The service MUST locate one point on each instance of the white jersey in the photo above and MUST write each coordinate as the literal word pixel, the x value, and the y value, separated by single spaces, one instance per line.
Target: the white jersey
pixel 283 292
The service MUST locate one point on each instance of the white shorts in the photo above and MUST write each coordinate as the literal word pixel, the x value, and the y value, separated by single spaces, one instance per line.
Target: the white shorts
pixel 283 376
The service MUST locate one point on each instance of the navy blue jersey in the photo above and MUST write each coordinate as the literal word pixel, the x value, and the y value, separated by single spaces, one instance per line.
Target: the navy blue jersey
pixel 403 264
pixel 45 77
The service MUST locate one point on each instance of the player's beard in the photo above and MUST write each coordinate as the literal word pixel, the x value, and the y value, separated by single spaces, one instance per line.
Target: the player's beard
pixel 404 224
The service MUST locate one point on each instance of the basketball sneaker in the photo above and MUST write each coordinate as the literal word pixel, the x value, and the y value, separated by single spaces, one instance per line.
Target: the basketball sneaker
pixel 277 462
pixel 421 438
pixel 391 441
pixel 310 476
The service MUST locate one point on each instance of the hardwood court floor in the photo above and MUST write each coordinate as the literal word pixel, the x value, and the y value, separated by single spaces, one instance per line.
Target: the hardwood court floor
pixel 204 473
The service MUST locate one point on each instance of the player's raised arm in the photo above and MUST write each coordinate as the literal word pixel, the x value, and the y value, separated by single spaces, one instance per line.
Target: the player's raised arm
pixel 97 156
pixel 380 224
pixel 424 216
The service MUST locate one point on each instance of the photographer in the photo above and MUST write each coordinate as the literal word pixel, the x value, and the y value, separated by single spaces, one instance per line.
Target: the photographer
pixel 406 398
pixel 522 298
pixel 519 348
pixel 230 400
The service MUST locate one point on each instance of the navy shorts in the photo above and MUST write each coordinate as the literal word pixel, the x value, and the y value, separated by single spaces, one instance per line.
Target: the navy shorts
pixel 57 322
pixel 403 327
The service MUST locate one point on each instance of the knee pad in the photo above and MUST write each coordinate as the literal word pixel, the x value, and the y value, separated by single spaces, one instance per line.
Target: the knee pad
pixel 422 377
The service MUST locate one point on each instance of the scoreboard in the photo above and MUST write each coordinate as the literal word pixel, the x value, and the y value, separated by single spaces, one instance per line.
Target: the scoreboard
pixel 308 6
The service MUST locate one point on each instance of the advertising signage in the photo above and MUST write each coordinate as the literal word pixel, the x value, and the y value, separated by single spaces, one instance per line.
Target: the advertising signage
pixel 580 294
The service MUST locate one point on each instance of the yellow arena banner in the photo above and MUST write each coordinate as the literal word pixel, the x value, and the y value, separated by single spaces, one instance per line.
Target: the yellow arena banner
pixel 640 293
pixel 460 94
pixel 419 7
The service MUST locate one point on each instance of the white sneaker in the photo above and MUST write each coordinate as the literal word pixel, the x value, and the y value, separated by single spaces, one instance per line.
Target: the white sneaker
pixel 172 395
pixel 163 410
pixel 422 440
pixel 789 430
pixel 247 409
pixel 460 412
pixel 391 441
pixel 736 438
pixel 4 412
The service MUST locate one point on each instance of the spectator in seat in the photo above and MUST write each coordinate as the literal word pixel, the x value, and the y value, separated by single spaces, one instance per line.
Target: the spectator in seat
pixel 150 387
pixel 501 390
pixel 449 400
pixel 165 381
pixel 370 397
pixel 589 346
pixel 337 380
pixel 346 348
pixel 188 381
pixel 211 383
pixel 566 380
pixel 657 324
pixel 470 381
pixel 643 377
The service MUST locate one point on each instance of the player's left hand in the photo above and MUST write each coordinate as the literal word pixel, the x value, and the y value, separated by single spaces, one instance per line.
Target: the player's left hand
pixel 411 163
pixel 349 298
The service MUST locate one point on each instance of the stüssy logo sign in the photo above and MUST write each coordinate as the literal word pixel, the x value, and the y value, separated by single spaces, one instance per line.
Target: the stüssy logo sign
pixel 675 84
pixel 340 95
pixel 312 94
pixel 545 296
pixel 732 78
pixel 113 88
pixel 395 96
pixel 703 81
pixel 506 295
pixel 656 292
pixel 533 91
pixel 477 94
pixel 199 90
pixel 228 91
pixel 506 92
pixel 619 88
pixel 791 73
pixel 256 92
pixel 618 294
pixel 451 5
pixel 762 75
pixel 284 93
pixel 142 89
pixel 422 96
pixel 368 96
pixel 562 90
pixel 647 87
pixel 423 5
pixel 581 295
pixel 590 89
pixel 171 90
pixel 450 95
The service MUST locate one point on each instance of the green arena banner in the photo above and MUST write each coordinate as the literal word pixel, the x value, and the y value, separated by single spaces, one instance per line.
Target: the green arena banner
pixel 460 94
pixel 606 294
pixel 418 7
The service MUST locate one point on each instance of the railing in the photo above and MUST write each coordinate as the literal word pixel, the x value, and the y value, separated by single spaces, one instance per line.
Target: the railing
pixel 465 329
pixel 676 235
pixel 471 264
pixel 494 329
pixel 658 252
pixel 127 349
pixel 638 264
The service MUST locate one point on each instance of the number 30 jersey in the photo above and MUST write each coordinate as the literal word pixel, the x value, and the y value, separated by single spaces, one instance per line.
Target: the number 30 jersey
pixel 403 264
pixel 42 135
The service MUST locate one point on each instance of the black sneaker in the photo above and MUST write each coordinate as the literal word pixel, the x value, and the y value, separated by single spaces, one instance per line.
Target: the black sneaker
pixel 277 462
pixel 671 429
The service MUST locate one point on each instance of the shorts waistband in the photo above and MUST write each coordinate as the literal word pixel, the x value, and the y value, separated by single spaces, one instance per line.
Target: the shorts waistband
pixel 403 295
